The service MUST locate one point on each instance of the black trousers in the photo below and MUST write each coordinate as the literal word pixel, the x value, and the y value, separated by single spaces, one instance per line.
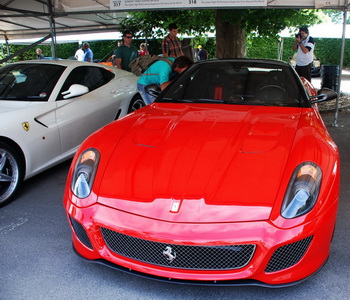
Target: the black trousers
pixel 304 71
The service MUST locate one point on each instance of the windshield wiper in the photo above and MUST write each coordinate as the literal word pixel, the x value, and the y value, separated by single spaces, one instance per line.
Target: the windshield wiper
pixel 167 100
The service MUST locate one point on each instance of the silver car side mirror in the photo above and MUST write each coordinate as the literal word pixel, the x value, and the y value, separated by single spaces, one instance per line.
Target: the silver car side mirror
pixel 75 90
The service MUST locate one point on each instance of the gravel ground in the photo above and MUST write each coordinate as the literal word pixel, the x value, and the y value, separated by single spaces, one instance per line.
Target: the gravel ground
pixel 329 106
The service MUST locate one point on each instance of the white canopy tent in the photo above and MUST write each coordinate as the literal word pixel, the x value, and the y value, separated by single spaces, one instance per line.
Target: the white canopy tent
pixel 38 18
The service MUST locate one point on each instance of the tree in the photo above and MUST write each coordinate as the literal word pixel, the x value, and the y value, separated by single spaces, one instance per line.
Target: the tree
pixel 231 25
pixel 336 16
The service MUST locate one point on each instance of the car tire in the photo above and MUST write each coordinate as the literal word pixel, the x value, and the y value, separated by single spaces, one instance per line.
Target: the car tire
pixel 136 103
pixel 11 173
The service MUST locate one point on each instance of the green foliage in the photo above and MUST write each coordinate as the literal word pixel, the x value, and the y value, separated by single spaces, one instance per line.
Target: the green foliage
pixel 100 49
pixel 66 50
pixel 258 47
pixel 327 50
pixel 155 23
pixel 270 22
pixel 336 16
pixel 103 49
pixel 252 22
pixel 265 22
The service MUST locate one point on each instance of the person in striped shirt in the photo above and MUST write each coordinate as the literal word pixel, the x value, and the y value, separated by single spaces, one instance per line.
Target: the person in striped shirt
pixel 171 45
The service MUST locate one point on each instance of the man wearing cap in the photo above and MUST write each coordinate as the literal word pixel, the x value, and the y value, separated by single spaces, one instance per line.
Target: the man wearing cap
pixel 305 45
pixel 202 54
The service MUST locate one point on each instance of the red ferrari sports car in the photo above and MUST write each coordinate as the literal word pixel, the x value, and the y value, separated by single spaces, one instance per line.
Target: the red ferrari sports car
pixel 229 178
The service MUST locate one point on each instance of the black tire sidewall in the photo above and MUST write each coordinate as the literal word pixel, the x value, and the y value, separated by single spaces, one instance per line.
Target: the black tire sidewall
pixel 132 102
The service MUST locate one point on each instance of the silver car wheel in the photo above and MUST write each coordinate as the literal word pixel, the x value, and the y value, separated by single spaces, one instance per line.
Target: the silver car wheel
pixel 10 173
pixel 135 104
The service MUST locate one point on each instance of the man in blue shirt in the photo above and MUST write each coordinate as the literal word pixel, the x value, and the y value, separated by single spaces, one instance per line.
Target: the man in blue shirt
pixel 161 74
pixel 88 56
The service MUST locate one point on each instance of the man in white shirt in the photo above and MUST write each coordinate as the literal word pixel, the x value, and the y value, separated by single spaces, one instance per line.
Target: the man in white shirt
pixel 305 45
pixel 79 54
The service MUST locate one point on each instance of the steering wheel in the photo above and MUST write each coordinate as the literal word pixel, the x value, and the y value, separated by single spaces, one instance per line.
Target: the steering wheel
pixel 272 94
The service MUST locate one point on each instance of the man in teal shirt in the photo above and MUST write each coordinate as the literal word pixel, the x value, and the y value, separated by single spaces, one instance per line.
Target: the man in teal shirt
pixel 126 52
pixel 161 74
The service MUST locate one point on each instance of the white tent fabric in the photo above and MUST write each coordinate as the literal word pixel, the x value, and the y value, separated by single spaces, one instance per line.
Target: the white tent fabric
pixel 34 18
pixel 31 18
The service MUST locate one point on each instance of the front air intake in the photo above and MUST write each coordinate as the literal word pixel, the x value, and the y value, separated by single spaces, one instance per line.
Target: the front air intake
pixel 81 233
pixel 288 255
pixel 225 257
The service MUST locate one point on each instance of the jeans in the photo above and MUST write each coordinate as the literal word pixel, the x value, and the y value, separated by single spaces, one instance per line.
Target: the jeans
pixel 147 98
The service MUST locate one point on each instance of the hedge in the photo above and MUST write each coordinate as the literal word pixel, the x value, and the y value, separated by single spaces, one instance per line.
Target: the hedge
pixel 328 50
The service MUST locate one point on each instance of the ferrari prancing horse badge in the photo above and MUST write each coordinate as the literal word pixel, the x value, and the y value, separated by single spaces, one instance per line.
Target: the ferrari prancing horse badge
pixel 25 126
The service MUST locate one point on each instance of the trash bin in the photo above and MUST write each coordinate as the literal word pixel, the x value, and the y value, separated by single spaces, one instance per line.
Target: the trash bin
pixel 330 77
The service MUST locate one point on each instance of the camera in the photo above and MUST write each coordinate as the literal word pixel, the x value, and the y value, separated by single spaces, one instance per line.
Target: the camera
pixel 298 35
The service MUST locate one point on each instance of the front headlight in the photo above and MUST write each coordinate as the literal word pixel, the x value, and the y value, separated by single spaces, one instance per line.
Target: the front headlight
pixel 84 173
pixel 302 191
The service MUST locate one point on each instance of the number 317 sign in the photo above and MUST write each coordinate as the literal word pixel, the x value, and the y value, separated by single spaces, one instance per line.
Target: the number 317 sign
pixel 168 4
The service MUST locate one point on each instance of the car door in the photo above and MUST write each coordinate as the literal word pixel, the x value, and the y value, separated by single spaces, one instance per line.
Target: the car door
pixel 29 117
pixel 79 116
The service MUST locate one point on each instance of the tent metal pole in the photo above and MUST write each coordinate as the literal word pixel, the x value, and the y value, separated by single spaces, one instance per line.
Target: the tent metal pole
pixel 52 28
pixel 336 113
pixel 7 45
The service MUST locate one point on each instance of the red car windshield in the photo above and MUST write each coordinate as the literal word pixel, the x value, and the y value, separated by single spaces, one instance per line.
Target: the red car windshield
pixel 238 83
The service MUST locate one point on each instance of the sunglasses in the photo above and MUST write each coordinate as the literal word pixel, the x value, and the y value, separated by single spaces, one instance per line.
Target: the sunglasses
pixel 128 37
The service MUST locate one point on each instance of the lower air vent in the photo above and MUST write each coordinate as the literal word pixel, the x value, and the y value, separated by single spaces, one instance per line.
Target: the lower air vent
pixel 81 233
pixel 288 255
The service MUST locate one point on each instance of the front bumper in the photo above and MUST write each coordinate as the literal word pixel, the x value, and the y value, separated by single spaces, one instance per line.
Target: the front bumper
pixel 297 252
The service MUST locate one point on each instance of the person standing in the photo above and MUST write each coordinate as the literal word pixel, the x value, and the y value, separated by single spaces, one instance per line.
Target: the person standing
pixel 305 45
pixel 171 45
pixel 126 52
pixel 88 55
pixel 79 54
pixel 202 53
pixel 39 53
pixel 161 73
pixel 143 49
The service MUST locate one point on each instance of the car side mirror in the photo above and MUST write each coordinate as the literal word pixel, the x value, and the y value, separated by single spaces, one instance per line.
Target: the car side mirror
pixel 324 94
pixel 75 90
pixel 153 90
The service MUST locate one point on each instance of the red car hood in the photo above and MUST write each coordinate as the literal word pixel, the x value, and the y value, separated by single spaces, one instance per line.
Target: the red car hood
pixel 200 163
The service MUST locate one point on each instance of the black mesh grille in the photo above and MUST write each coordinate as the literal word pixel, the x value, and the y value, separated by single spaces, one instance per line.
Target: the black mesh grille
pixel 81 233
pixel 288 255
pixel 179 256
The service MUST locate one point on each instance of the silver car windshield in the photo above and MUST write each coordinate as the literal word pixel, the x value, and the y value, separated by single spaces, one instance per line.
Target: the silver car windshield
pixel 28 82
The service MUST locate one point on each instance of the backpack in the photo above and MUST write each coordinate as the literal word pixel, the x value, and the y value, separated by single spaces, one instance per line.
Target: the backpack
pixel 141 63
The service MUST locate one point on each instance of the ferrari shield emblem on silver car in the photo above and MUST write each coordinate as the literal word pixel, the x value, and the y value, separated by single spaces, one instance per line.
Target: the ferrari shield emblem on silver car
pixel 25 126
pixel 169 253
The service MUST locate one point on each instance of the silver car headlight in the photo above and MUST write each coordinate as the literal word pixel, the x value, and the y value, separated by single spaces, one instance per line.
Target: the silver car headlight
pixel 84 173
pixel 302 191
